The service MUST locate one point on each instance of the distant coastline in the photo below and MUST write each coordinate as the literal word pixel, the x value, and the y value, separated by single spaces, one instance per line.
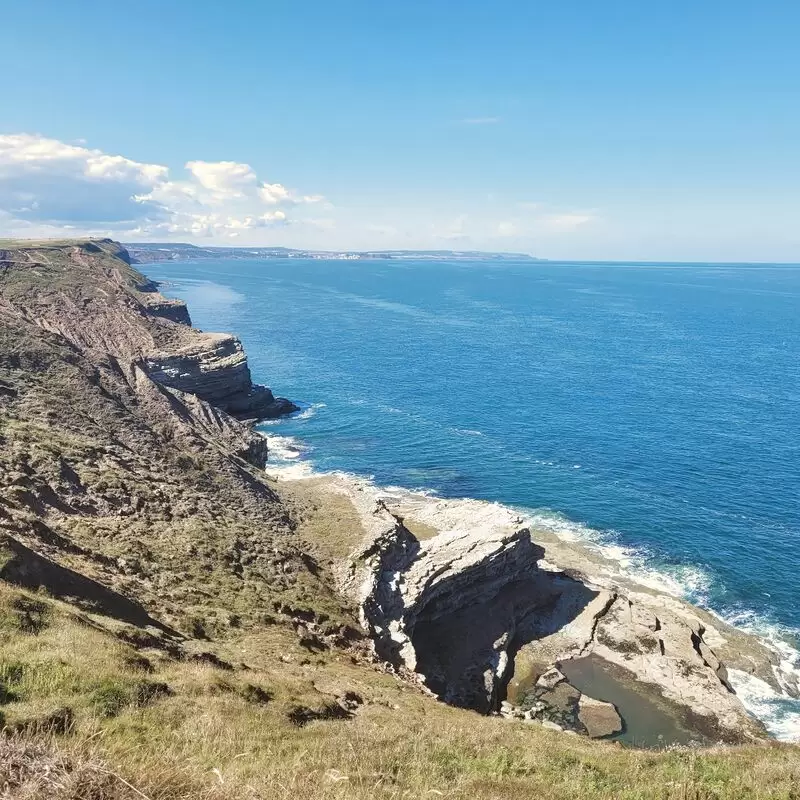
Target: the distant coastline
pixel 155 252
pixel 150 252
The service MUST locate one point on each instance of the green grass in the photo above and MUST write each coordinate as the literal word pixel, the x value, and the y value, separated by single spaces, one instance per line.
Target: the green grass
pixel 228 733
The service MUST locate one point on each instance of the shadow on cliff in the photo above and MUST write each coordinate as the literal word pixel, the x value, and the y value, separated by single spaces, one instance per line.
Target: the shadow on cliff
pixel 23 567
pixel 467 635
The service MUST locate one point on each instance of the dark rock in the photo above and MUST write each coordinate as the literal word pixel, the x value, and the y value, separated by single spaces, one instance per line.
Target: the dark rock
pixel 213 659
pixel 174 310
pixel 59 721
pixel 255 694
pixel 302 715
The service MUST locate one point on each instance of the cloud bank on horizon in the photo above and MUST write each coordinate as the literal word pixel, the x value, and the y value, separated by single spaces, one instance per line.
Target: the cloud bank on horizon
pixel 54 188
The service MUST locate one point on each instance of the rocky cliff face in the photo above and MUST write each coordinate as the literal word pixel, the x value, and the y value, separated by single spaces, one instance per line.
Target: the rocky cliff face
pixel 174 310
pixel 118 487
pixel 101 304
pixel 475 605
pixel 214 366
pixel 449 609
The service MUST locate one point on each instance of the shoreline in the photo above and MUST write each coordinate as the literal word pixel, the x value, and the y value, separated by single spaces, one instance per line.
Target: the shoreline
pixel 759 670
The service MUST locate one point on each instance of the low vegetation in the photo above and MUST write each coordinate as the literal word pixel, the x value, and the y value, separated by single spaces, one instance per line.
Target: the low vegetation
pixel 169 627
pixel 88 715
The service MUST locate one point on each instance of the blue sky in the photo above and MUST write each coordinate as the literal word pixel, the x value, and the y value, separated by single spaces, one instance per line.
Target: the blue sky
pixel 586 129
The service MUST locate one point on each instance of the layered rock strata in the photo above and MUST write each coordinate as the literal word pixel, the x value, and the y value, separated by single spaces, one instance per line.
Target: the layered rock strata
pixel 469 606
pixel 102 305
pixel 214 366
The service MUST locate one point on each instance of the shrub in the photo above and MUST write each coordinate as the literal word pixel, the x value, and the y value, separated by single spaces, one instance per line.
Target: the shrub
pixel 109 699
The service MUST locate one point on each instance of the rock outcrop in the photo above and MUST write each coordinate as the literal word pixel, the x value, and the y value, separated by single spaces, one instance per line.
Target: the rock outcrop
pixel 455 608
pixel 214 366
pixel 174 310
pixel 450 610
pixel 468 607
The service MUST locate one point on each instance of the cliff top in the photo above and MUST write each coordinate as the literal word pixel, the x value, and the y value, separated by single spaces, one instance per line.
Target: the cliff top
pixel 75 264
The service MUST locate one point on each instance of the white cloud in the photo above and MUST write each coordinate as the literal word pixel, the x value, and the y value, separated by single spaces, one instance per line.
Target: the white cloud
pixel 47 181
pixel 225 178
pixel 24 152
pixel 50 186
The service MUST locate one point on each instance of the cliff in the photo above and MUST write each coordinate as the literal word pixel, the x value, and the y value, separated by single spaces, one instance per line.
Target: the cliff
pixel 175 624
pixel 490 619
pixel 98 302
pixel 214 367
pixel 104 464
pixel 125 492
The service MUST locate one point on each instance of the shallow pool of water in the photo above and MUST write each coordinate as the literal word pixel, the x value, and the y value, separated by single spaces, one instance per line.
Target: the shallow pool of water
pixel 649 719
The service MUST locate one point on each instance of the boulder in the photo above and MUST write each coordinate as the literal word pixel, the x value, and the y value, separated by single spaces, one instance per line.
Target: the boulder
pixel 550 679
pixel 598 717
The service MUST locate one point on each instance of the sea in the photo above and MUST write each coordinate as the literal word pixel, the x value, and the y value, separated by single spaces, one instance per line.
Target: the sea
pixel 652 409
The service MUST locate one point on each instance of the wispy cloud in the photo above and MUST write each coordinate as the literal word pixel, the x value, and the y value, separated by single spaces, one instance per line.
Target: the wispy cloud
pixel 539 222
pixel 480 120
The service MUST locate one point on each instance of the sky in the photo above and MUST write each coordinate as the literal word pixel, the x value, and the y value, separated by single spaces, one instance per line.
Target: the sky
pixel 576 129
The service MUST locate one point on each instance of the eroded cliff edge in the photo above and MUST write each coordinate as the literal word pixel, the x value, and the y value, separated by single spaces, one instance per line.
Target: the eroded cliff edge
pixel 492 616
pixel 98 302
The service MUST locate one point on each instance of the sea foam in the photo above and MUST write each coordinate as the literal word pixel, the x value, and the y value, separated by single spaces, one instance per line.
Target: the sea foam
pixel 286 458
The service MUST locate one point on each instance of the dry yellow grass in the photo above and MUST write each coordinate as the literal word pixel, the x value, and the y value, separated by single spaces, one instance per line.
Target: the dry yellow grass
pixel 215 736
pixel 327 521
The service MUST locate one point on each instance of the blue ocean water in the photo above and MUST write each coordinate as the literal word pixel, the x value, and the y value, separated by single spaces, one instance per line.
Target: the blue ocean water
pixel 655 406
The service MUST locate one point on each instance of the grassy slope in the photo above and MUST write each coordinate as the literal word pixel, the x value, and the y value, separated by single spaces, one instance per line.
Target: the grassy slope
pixel 177 635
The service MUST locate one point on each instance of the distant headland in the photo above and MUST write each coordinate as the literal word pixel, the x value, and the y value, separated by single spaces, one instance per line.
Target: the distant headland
pixel 149 252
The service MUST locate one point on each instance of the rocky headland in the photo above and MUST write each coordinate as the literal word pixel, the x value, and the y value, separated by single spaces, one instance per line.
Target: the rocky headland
pixel 492 614
pixel 213 366
pixel 168 606
pixel 102 304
